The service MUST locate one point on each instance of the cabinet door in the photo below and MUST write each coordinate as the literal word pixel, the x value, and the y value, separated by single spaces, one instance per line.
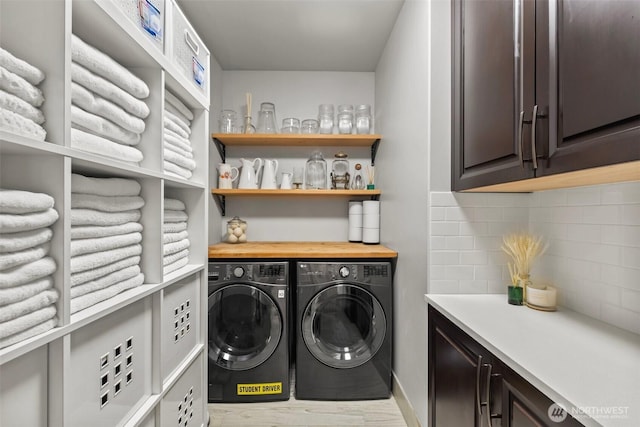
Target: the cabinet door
pixel 493 82
pixel 459 375
pixel 525 406
pixel 595 108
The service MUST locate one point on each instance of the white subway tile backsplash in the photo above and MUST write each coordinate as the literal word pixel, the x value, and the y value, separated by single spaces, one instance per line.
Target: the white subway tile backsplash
pixel 444 198
pixel 459 242
pixel 621 317
pixel 458 214
pixel 603 214
pixel 488 214
pixel 441 228
pixel 438 213
pixel 488 272
pixel 445 257
pixel 474 286
pixel 584 233
pixel 473 257
pixel 474 229
pixel 438 242
pixel 584 196
pixel 623 193
pixel 630 214
pixel 630 299
pixel 621 235
pixel 567 215
pixel 631 257
pixel 458 272
pixel 444 287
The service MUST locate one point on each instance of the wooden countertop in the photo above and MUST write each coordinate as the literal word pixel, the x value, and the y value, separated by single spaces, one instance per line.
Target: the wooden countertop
pixel 299 250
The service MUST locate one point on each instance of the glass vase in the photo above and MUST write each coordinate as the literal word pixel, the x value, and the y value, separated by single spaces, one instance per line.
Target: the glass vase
pixel 515 295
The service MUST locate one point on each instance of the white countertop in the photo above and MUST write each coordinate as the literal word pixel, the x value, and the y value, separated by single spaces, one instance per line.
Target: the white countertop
pixel 577 361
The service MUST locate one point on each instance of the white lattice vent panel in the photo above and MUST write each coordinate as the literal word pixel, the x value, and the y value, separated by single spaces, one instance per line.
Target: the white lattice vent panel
pixel 180 310
pixel 23 387
pixel 182 406
pixel 110 367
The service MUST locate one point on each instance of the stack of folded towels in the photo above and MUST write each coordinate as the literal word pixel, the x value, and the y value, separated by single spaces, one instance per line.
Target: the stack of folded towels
pixel 106 238
pixel 27 295
pixel 175 236
pixel 20 99
pixel 107 110
pixel 178 154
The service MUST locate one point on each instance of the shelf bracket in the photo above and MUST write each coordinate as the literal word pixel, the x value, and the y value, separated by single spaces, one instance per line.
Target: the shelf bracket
pixel 221 202
pixel 221 149
pixel 375 197
pixel 374 151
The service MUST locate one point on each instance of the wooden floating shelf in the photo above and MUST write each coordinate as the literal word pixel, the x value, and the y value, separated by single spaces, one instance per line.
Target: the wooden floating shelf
pixel 295 193
pixel 293 140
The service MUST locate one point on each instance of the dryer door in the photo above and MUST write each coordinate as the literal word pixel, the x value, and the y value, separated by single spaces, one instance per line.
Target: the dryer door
pixel 245 326
pixel 343 326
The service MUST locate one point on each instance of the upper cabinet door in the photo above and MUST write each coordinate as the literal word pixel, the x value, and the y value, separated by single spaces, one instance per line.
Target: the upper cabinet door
pixel 595 106
pixel 493 83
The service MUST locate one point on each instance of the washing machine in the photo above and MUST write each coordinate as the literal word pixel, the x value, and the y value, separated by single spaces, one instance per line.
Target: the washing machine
pixel 343 339
pixel 248 331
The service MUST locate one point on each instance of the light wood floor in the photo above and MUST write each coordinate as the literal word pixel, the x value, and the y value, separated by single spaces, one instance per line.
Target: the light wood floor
pixel 306 413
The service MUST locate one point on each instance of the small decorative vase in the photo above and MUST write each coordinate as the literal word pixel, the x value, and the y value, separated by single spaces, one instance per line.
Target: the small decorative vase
pixel 515 295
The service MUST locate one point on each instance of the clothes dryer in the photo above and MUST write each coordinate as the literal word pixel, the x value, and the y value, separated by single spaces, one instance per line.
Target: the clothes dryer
pixel 248 331
pixel 343 340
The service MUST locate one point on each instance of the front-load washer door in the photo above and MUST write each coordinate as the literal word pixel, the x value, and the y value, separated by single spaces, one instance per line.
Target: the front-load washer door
pixel 245 326
pixel 343 326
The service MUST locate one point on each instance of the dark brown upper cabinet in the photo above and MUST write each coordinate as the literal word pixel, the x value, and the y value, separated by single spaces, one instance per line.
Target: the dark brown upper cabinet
pixel 543 87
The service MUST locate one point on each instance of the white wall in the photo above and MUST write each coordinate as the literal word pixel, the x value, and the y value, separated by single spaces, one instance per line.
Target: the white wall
pixel 295 94
pixel 403 159
pixel 216 85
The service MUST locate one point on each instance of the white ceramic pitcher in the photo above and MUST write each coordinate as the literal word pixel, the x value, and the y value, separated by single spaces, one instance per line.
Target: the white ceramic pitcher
pixel 249 174
pixel 269 174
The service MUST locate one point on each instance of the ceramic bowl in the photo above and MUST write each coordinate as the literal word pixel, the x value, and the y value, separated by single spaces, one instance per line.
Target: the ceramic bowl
pixel 545 297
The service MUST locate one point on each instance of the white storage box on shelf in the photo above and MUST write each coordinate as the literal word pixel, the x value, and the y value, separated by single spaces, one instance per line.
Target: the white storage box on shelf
pixel 187 50
pixel 111 360
pixel 182 405
pixel 23 388
pixel 149 17
pixel 180 308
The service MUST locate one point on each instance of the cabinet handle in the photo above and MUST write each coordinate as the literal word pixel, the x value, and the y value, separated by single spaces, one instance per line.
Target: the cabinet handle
pixel 191 42
pixel 488 391
pixel 478 369
pixel 534 120
pixel 520 147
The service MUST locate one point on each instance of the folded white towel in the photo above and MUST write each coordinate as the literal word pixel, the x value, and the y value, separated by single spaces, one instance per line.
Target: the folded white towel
pixel 29 333
pixel 174 127
pixel 179 160
pixel 85 301
pixel 27 273
pixel 104 186
pixel 87 246
pixel 175 216
pixel 99 259
pixel 93 217
pixel 95 231
pixel 21 67
pixel 10 223
pixel 176 102
pixel 29 305
pixel 105 281
pixel 174 204
pixel 20 125
pixel 14 242
pixel 19 293
pixel 103 127
pixel 168 259
pixel 173 110
pixel 106 203
pixel 169 268
pixel 14 259
pixel 16 85
pixel 19 106
pixel 170 147
pixel 95 273
pixel 174 237
pixel 175 139
pixel 174 247
pixel 108 90
pixel 175 170
pixel 87 142
pixel 22 202
pixel 174 227
pixel 178 121
pixel 27 321
pixel 102 107
pixel 105 66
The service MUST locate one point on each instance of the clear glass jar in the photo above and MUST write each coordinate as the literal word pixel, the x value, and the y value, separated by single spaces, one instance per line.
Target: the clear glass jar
pixel 236 230
pixel 309 126
pixel 267 118
pixel 316 172
pixel 227 121
pixel 345 119
pixel 325 118
pixel 357 183
pixel 363 119
pixel 340 172
pixel 290 125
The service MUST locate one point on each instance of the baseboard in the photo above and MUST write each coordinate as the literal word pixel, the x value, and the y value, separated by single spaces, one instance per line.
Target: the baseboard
pixel 403 403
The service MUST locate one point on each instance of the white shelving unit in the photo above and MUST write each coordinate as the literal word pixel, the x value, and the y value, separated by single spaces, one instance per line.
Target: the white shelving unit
pixel 131 360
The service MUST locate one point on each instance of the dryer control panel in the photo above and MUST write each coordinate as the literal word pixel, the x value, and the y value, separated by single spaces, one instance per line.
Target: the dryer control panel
pixel 378 273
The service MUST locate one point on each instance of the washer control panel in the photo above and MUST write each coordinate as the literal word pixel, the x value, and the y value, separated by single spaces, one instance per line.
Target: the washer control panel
pixel 271 273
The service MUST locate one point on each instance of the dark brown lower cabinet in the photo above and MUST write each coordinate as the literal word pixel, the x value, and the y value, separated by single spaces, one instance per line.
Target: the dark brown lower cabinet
pixel 470 387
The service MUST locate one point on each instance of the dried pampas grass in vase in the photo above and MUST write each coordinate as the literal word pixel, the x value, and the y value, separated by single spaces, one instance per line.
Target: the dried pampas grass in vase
pixel 523 249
